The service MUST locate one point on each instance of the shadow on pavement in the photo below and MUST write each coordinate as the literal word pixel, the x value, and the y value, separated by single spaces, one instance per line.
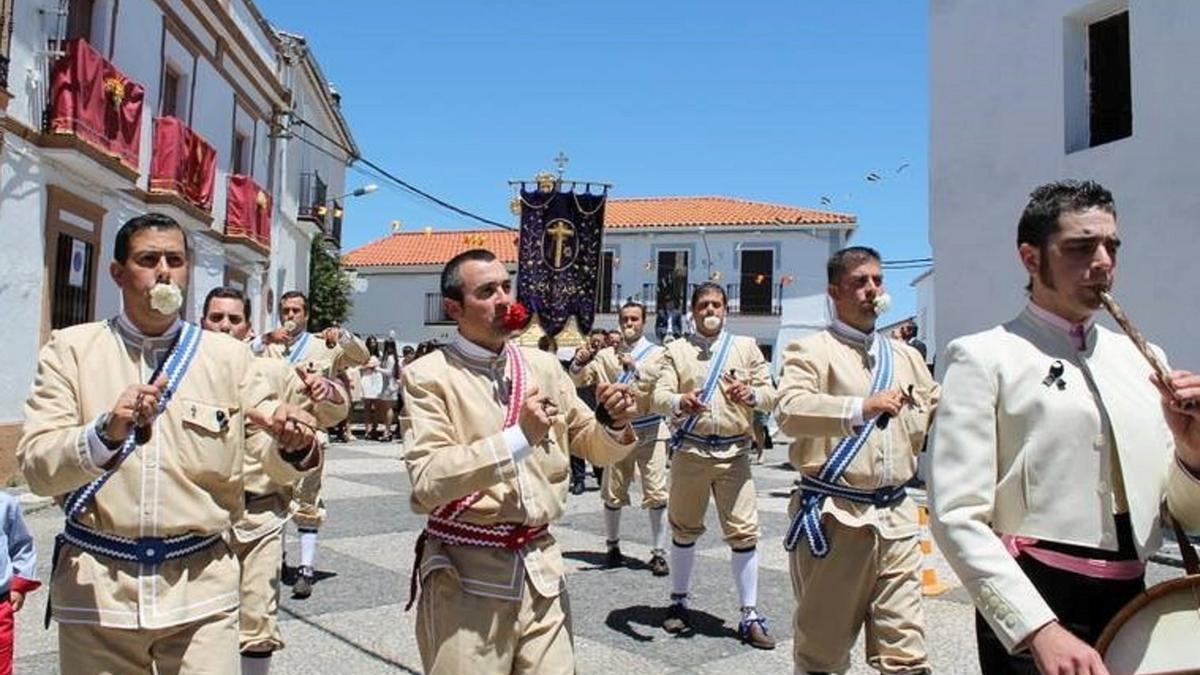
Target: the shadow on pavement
pixel 625 621
pixel 597 561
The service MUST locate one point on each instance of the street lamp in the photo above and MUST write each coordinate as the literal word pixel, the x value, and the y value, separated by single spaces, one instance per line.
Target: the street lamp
pixel 337 212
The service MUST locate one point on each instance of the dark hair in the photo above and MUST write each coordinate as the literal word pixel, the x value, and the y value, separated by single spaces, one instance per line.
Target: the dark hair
pixel 408 349
pixel 1048 202
pixel 294 294
pixel 149 221
pixel 706 288
pixel 633 303
pixel 227 292
pixel 597 331
pixel 452 283
pixel 389 347
pixel 547 343
pixel 372 344
pixel 847 259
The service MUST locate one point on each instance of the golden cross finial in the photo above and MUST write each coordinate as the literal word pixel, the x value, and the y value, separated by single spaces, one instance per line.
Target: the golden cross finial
pixel 561 162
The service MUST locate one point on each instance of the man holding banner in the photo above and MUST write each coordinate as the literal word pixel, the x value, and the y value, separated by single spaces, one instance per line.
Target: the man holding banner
pixel 634 362
pixel 487 428
pixel 138 425
pixel 330 352
pixel 858 405
pixel 711 383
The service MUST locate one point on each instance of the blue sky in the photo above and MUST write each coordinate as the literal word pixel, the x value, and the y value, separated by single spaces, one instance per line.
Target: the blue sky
pixel 780 101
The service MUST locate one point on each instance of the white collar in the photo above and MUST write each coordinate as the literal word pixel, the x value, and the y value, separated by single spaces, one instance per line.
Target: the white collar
pixel 472 350
pixel 638 346
pixel 135 337
pixel 851 334
pixel 707 342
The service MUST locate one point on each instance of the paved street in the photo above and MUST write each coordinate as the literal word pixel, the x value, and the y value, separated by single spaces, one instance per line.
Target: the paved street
pixel 355 620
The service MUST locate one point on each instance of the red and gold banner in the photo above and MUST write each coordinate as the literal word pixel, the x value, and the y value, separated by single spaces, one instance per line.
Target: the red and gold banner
pixel 248 210
pixel 183 162
pixel 94 101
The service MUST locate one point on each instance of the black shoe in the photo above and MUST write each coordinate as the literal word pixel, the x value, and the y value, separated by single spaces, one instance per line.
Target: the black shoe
pixel 614 557
pixel 658 566
pixel 678 618
pixel 577 487
pixel 304 583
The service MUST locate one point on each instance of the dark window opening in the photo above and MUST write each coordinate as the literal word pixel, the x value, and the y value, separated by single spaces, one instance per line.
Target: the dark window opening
pixel 170 93
pixel 757 282
pixel 1111 102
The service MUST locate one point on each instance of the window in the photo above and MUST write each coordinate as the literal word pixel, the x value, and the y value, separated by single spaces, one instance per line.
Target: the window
pixel 79 19
pixel 238 161
pixel 673 278
pixel 72 243
pixel 757 283
pixel 170 93
pixel 1111 109
pixel 608 294
pixel 435 310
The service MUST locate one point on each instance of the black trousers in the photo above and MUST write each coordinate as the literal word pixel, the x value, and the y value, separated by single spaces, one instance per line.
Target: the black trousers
pixel 1083 605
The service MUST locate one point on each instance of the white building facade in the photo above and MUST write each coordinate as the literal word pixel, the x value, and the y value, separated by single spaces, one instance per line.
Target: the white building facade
pixel 119 107
pixel 1029 92
pixel 765 256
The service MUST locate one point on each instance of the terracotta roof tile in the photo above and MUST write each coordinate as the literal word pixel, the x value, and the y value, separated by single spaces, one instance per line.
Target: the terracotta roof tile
pixel 435 248
pixel 712 211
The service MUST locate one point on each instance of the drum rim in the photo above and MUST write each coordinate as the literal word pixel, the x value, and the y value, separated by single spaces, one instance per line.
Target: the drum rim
pixel 1135 605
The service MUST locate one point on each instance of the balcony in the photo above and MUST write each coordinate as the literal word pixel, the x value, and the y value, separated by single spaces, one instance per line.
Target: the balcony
pixel 335 231
pixel 314 197
pixel 755 299
pixel 183 169
pixel 248 217
pixel 93 117
pixel 435 310
pixel 609 300
pixel 3 67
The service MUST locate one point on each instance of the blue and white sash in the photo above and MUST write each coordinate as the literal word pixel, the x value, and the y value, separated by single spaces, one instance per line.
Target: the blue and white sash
pixel 722 349
pixel 807 523
pixel 638 356
pixel 174 366
pixel 299 349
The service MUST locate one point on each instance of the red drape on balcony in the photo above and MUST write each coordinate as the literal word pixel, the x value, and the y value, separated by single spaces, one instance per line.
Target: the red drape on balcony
pixel 248 210
pixel 93 100
pixel 183 162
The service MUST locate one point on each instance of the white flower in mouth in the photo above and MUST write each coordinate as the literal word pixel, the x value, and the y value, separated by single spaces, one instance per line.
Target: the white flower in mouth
pixel 166 298
pixel 712 322
pixel 629 333
pixel 289 326
pixel 882 302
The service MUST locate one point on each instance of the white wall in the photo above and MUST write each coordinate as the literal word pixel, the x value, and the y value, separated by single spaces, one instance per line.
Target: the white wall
pixel 925 313
pixel 396 301
pixel 998 130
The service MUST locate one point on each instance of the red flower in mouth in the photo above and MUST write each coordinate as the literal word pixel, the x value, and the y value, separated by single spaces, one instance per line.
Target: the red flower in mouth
pixel 516 317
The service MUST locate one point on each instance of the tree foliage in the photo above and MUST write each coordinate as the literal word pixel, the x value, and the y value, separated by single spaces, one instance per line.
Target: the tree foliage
pixel 329 288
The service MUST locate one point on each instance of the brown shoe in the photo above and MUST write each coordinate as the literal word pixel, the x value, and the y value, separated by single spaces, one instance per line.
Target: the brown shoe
pixel 658 565
pixel 754 633
pixel 677 620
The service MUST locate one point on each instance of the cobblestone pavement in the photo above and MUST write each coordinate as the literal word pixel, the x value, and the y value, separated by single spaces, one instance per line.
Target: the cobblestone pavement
pixel 355 620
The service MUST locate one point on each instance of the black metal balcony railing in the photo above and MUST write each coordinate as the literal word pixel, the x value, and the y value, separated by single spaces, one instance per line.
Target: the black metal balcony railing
pixel 313 196
pixel 435 310
pixel 335 229
pixel 755 299
pixel 3 67
pixel 610 300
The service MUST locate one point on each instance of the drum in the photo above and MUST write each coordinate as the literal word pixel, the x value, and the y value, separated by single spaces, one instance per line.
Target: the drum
pixel 1158 632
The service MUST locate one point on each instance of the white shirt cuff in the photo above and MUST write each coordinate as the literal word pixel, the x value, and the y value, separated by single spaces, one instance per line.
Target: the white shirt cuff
pixel 256 346
pixel 676 399
pixel 517 444
pixel 101 455
pixel 856 412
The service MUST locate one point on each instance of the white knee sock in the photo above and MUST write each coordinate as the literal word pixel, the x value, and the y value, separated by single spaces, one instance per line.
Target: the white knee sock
pixel 682 560
pixel 658 533
pixel 612 524
pixel 308 549
pixel 256 666
pixel 745 575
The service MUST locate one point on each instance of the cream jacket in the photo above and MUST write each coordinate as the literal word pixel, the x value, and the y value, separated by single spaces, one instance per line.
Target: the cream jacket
pixel 1013 455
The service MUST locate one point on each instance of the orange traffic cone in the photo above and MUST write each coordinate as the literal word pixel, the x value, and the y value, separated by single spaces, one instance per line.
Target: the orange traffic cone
pixel 930 585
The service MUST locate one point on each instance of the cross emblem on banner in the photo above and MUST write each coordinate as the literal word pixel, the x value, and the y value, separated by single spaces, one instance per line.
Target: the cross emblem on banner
pixel 560 230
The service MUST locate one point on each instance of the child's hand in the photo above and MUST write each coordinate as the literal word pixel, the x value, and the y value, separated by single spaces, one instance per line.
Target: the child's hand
pixel 16 599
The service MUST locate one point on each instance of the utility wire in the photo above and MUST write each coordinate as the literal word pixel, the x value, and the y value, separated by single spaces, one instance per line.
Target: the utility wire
pixel 355 157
